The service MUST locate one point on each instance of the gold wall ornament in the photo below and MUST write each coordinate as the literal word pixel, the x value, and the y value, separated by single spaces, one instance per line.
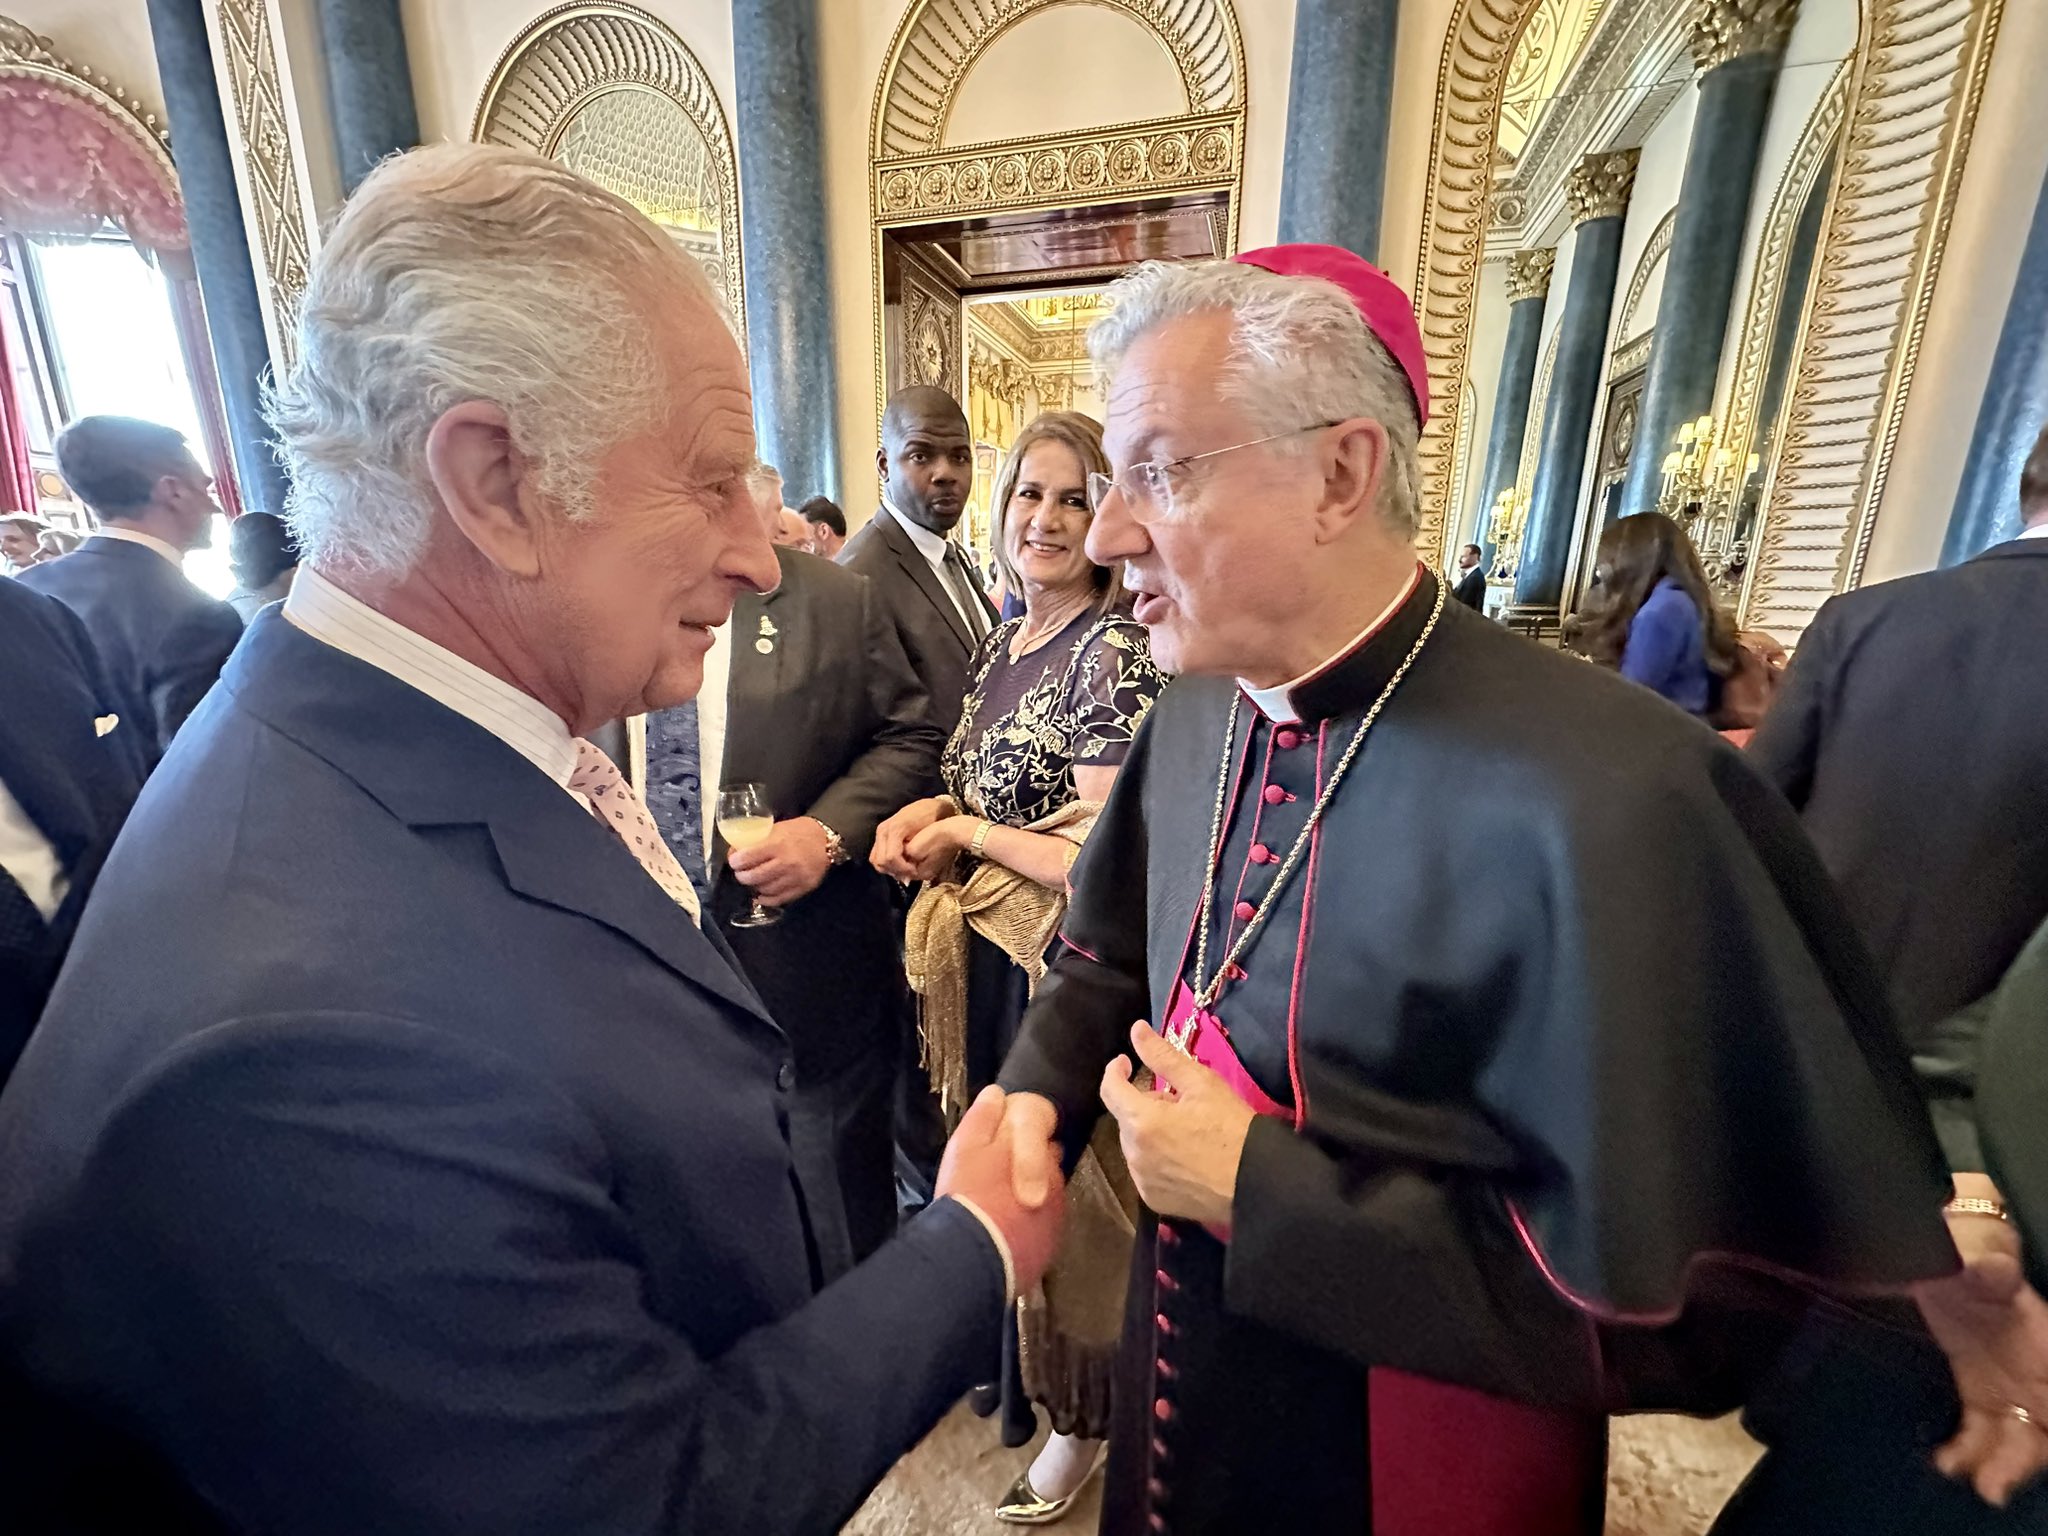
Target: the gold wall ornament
pixel 1599 186
pixel 614 94
pixel 1194 153
pixel 1529 273
pixel 939 41
pixel 270 161
pixel 1913 102
pixel 1726 30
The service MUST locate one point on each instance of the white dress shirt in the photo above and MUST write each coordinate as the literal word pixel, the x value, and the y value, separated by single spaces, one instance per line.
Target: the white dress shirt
pixel 522 722
pixel 2038 531
pixel 27 855
pixel 168 550
pixel 933 547
pixel 1277 704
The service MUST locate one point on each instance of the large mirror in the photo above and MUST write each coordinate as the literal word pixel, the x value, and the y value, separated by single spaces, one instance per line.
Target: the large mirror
pixel 1656 285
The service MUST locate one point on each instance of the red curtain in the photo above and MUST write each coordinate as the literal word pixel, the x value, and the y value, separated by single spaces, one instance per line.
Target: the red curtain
pixel 17 479
pixel 190 312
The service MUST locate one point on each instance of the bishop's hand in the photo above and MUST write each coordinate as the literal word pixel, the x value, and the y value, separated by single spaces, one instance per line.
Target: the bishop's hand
pixel 1183 1145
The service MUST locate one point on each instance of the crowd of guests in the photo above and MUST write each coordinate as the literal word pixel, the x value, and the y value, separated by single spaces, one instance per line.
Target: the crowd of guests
pixel 617 1006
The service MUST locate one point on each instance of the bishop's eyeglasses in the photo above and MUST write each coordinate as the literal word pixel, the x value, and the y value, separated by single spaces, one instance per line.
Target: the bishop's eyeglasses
pixel 1150 486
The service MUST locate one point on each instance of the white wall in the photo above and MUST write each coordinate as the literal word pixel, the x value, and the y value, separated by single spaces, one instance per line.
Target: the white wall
pixel 1483 369
pixel 108 37
pixel 1033 80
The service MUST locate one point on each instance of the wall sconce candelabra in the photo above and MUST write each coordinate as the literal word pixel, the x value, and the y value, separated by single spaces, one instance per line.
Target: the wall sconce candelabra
pixel 1703 491
pixel 1510 519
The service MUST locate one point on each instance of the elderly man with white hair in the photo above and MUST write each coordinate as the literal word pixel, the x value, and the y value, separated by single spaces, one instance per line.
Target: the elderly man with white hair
pixel 1503 1016
pixel 399 1152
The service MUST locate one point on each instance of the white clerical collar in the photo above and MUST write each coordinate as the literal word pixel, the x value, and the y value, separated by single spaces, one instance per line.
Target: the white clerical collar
pixel 931 545
pixel 2038 531
pixel 164 547
pixel 1277 704
pixel 522 722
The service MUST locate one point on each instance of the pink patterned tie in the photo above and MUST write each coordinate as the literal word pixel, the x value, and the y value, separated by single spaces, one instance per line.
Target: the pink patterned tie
pixel 613 802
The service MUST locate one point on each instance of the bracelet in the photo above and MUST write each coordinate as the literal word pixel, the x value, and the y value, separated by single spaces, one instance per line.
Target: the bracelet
pixel 1975 1205
pixel 980 839
pixel 950 806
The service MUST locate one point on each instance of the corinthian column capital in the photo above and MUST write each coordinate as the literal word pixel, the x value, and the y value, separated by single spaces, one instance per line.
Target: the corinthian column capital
pixel 1725 30
pixel 1529 274
pixel 1600 185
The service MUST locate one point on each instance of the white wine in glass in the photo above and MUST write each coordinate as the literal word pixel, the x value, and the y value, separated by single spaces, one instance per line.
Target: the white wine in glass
pixel 745 820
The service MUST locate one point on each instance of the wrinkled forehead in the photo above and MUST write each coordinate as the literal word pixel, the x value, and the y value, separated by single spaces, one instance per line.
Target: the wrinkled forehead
pixel 709 420
pixel 1172 385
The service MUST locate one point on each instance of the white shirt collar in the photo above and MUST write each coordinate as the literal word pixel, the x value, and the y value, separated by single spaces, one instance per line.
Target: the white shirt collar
pixel 931 545
pixel 1277 704
pixel 522 722
pixel 168 550
pixel 2038 531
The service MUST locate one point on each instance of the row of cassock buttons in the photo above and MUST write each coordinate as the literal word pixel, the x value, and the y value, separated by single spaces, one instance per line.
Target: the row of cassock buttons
pixel 1164 1375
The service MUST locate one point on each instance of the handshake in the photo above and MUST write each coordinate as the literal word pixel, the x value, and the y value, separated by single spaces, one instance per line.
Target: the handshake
pixel 1003 1163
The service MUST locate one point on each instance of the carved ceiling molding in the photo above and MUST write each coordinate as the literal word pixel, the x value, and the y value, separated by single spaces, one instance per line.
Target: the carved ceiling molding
pixel 1917 80
pixel 576 53
pixel 269 156
pixel 939 41
pixel 1912 107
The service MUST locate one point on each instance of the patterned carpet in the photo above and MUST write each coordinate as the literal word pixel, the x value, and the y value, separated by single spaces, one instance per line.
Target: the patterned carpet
pixel 1667 1477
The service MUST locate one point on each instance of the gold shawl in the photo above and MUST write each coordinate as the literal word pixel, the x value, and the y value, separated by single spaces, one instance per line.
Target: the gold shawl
pixel 1067 1330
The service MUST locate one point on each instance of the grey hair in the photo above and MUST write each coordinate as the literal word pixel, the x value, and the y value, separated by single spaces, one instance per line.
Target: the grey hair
pixel 1301 354
pixel 459 273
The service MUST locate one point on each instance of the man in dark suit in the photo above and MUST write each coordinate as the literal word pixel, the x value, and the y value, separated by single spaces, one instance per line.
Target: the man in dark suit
pixel 1470 586
pixel 1911 733
pixel 820 707
pixel 907 550
pixel 160 638
pixel 398 1152
pixel 66 782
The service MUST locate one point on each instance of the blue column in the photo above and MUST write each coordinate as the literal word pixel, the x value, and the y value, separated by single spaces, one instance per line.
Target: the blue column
pixel 1339 103
pixel 1528 289
pixel 1598 193
pixel 2015 406
pixel 782 224
pixel 369 84
pixel 1740 46
pixel 220 241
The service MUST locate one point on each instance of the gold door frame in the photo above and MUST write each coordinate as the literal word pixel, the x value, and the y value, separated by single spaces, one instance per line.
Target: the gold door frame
pixel 1916 81
pixel 913 179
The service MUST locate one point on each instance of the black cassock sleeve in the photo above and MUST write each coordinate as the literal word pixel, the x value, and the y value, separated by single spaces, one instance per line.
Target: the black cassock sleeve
pixel 1694 1068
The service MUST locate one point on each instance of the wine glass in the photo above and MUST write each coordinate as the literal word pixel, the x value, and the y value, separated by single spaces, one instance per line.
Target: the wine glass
pixel 744 820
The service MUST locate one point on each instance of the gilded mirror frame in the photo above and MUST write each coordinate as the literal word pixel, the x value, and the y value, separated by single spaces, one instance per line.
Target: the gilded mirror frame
pixel 915 178
pixel 1914 87
pixel 573 54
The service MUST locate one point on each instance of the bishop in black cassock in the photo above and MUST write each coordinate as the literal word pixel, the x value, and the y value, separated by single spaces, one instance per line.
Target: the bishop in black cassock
pixel 1547 1077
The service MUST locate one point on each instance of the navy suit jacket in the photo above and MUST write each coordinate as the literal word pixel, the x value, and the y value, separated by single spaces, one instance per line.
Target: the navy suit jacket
pixel 72 783
pixel 394 1156
pixel 1912 735
pixel 161 639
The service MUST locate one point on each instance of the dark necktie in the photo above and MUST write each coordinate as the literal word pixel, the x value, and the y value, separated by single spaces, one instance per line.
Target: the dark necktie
pixel 675 787
pixel 966 591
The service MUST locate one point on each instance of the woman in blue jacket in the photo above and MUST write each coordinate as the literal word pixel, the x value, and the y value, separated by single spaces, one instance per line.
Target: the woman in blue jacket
pixel 1651 616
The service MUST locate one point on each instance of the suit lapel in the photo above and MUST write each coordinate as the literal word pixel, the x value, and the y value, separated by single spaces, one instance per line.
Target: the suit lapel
pixel 430 767
pixel 920 571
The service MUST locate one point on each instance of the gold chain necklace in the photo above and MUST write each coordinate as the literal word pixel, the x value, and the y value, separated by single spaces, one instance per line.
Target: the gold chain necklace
pixel 1206 993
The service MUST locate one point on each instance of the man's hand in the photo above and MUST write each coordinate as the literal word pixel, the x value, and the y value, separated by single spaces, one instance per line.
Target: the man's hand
pixel 1183 1145
pixel 893 835
pixel 1993 1327
pixel 1029 1121
pixel 787 865
pixel 978 1170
